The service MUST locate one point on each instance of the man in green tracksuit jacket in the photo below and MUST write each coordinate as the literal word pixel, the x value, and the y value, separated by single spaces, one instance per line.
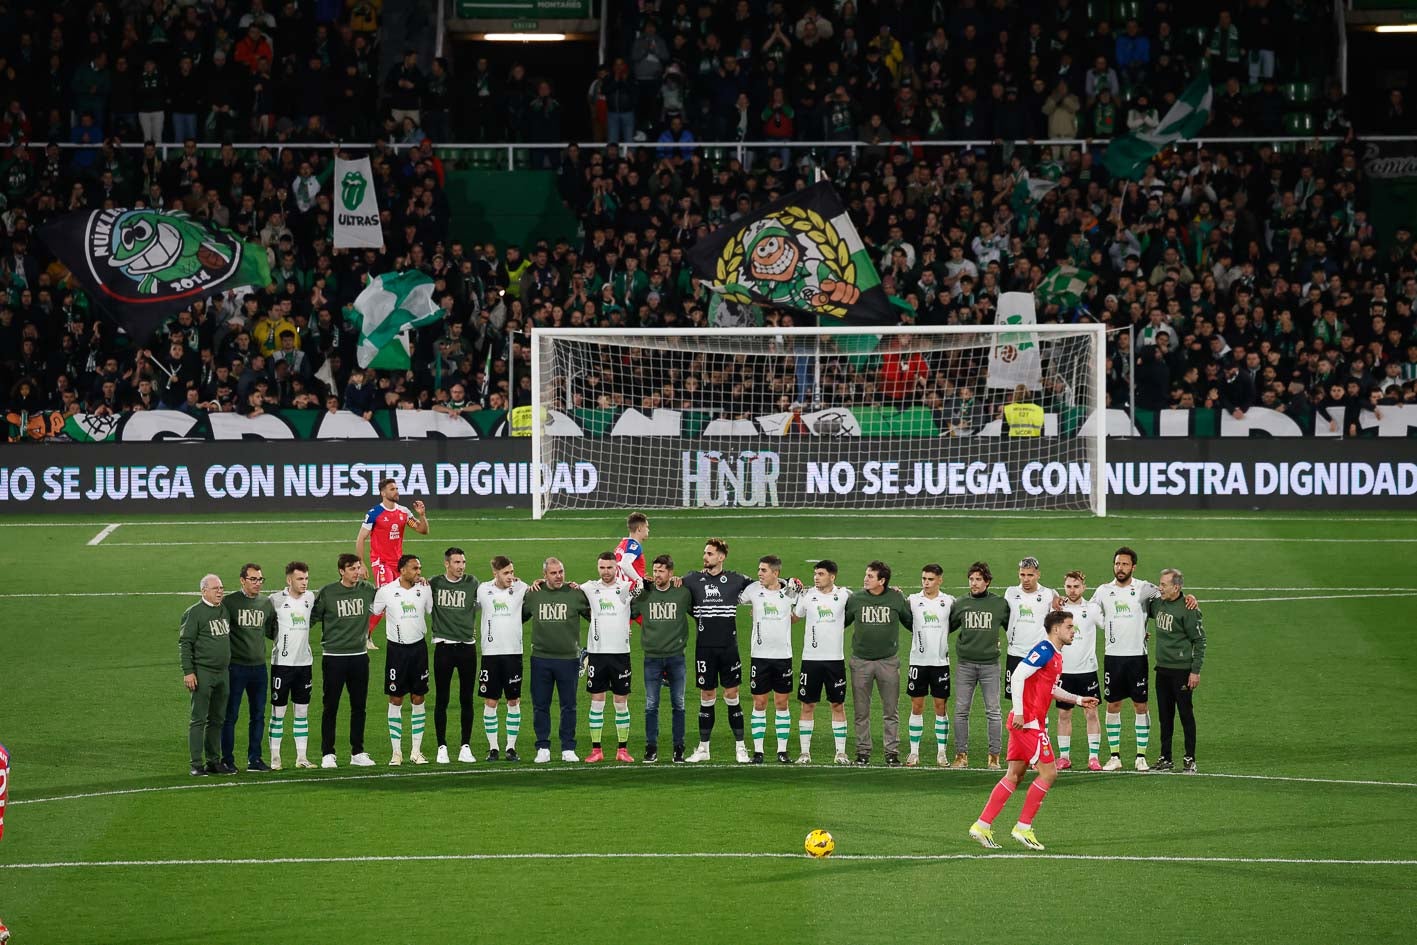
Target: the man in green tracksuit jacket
pixel 978 618
pixel 205 647
pixel 1180 651
pixel 878 611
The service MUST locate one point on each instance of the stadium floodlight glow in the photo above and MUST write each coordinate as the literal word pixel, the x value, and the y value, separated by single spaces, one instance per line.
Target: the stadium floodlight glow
pixel 1397 28
pixel 524 37
pixel 818 418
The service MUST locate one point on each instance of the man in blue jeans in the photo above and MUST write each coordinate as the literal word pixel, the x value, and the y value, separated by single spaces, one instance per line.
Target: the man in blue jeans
pixel 665 609
pixel 555 610
pixel 249 613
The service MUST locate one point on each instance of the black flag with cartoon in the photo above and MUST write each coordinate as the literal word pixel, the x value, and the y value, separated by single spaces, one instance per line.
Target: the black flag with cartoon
pixel 801 253
pixel 144 266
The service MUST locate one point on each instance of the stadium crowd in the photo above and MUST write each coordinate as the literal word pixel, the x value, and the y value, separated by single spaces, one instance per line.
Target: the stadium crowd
pixel 1251 274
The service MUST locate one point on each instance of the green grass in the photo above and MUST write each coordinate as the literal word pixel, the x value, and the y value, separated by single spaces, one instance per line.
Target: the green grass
pixel 1306 678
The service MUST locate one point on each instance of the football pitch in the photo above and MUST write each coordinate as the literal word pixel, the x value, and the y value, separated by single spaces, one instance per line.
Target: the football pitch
pixel 1299 827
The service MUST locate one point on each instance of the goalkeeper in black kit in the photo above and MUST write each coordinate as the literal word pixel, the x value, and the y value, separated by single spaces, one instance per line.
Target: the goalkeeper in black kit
pixel 716 659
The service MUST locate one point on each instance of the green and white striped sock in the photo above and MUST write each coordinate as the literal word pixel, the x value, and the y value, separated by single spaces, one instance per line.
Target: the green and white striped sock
pixel 839 734
pixel 622 723
pixel 277 729
pixel 396 728
pixel 301 728
pixel 1143 733
pixel 942 731
pixel 514 724
pixel 1114 731
pixel 784 728
pixel 1065 744
pixel 1094 744
pixel 758 725
pixel 597 722
pixel 416 728
pixel 804 734
pixel 489 725
pixel 916 729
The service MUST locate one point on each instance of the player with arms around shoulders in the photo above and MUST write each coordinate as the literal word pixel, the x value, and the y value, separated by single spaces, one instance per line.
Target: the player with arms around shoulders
pixel 501 601
pixel 717 661
pixel 664 606
pixel 384 528
pixel 770 660
pixel 1123 604
pixel 555 610
pixel 1028 601
pixel 1035 685
pixel 407 602
pixel 929 666
pixel 291 661
pixel 823 665
pixel 978 618
pixel 343 607
pixel 251 614
pixel 454 650
pixel 1080 671
pixel 608 660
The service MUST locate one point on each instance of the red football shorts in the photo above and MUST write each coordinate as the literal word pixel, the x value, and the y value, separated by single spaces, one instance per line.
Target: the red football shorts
pixel 1030 745
pixel 384 572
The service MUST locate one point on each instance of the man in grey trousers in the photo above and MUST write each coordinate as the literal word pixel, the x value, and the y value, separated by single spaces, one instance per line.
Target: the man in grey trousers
pixel 878 612
pixel 978 619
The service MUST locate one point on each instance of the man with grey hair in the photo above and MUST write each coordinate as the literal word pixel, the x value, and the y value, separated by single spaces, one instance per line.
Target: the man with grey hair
pixel 205 648
pixel 555 609
pixel 1180 651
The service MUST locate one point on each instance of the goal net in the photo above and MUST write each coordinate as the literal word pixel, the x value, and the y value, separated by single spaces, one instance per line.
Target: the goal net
pixel 819 418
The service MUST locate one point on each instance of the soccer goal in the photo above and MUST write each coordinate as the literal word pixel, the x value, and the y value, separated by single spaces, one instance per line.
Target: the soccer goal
pixel 820 418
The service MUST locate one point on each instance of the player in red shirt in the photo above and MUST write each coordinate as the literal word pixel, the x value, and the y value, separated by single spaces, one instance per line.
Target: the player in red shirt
pixel 630 553
pixel 1035 686
pixel 4 790
pixel 384 527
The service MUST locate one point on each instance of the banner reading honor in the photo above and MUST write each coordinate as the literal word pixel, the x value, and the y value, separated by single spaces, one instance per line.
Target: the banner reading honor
pixel 356 206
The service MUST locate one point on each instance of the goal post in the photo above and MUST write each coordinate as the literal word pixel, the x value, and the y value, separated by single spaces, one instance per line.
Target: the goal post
pixel 899 418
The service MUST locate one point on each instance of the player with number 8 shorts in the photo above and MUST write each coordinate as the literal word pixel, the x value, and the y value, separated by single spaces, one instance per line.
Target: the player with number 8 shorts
pixel 384 527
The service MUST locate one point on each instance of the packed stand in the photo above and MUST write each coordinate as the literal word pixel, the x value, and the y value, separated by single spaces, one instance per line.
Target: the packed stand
pixel 1251 274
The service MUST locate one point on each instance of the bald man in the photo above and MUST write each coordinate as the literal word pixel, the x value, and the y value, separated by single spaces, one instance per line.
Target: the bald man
pixel 205 647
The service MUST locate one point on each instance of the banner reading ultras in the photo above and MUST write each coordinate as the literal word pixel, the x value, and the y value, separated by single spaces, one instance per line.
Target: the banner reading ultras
pixel 1161 474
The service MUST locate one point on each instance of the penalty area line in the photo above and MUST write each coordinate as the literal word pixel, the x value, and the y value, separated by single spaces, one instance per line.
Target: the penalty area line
pixel 749 855
pixel 107 530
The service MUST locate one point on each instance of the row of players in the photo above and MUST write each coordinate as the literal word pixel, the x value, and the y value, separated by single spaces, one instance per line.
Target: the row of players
pixel 223 655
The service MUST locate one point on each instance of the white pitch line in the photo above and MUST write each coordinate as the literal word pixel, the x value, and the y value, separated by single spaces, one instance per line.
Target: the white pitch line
pixel 751 855
pixel 107 530
pixel 995 539
pixel 538 771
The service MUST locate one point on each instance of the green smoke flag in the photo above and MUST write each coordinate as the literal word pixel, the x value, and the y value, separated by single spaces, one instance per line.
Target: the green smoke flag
pixel 388 309
pixel 1127 157
pixel 1063 286
pixel 144 266
pixel 800 253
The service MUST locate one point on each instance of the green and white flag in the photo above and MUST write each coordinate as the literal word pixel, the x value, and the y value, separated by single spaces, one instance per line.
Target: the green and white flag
pixel 356 206
pixel 1063 286
pixel 1014 358
pixel 388 309
pixel 1030 190
pixel 1127 157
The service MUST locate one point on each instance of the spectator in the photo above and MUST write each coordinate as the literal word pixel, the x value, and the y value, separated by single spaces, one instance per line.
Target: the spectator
pixel 405 86
pixel 1062 109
